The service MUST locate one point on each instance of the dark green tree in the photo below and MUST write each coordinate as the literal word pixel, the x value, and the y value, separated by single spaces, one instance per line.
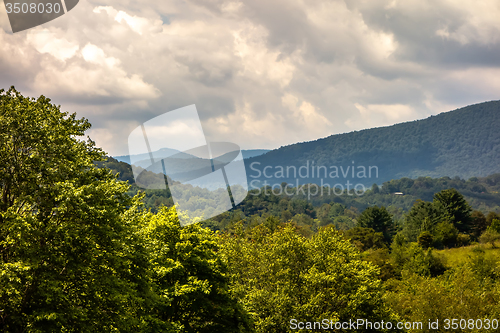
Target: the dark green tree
pixel 336 209
pixel 492 233
pixel 456 207
pixel 365 238
pixel 490 217
pixel 411 257
pixel 478 223
pixel 445 234
pixel 423 216
pixel 425 239
pixel 378 219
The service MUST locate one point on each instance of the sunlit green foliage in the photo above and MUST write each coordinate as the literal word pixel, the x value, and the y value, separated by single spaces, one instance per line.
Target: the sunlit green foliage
pixel 492 233
pixel 470 290
pixel 280 275
pixel 69 255
pixel 189 279
pixel 79 254
pixel 413 258
pixel 76 252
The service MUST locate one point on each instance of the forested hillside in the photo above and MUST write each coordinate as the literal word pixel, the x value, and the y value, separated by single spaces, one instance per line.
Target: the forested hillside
pixel 483 193
pixel 463 142
pixel 82 251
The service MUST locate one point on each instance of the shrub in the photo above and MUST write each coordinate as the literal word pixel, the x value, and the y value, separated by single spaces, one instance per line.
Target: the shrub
pixel 425 239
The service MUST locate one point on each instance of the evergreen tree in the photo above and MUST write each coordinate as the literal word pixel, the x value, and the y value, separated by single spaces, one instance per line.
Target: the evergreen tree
pixel 423 216
pixel 378 219
pixel 456 207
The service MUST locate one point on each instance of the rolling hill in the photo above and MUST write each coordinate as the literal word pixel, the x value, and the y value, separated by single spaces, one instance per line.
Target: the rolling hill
pixel 464 143
pixel 167 152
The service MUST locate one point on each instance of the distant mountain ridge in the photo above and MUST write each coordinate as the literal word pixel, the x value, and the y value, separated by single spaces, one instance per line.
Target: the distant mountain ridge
pixel 464 142
pixel 167 152
pixel 162 153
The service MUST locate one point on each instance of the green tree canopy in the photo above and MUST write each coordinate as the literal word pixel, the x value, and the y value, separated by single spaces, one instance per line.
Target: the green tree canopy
pixel 478 223
pixel 378 219
pixel 280 275
pixel 365 238
pixel 69 255
pixel 492 233
pixel 190 281
pixel 423 216
pixel 456 207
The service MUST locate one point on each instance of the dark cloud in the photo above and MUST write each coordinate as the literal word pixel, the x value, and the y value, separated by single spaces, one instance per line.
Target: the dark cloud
pixel 262 73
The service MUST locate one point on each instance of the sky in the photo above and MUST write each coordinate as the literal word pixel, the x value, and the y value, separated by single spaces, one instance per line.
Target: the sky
pixel 262 73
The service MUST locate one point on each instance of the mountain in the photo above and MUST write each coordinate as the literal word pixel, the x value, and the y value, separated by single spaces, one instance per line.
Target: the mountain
pixel 464 143
pixel 161 153
pixel 144 159
pixel 482 193
pixel 254 153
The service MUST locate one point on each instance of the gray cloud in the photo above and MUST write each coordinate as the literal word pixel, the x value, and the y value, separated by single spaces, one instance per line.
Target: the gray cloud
pixel 262 73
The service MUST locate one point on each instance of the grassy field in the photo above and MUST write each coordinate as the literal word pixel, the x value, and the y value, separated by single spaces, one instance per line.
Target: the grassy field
pixel 458 256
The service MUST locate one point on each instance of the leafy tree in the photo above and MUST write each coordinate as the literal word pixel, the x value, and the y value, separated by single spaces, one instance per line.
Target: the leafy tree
pixel 489 236
pixel 377 218
pixel 343 223
pixel 286 215
pixel 282 275
pixel 425 239
pixel 352 213
pixel 445 234
pixel 322 214
pixel 490 217
pixel 365 238
pixel 381 258
pixel 189 279
pixel 492 233
pixel 337 209
pixel 454 205
pixel 411 257
pixel 463 240
pixel 423 216
pixel 70 255
pixel 478 223
pixel 495 226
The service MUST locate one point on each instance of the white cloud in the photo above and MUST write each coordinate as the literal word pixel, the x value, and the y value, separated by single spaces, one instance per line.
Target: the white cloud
pixel 306 114
pixel 258 62
pixel 45 41
pixel 95 55
pixel 376 115
pixel 136 23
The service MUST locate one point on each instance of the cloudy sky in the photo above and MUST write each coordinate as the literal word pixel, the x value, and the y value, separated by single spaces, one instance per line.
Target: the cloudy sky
pixel 262 73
